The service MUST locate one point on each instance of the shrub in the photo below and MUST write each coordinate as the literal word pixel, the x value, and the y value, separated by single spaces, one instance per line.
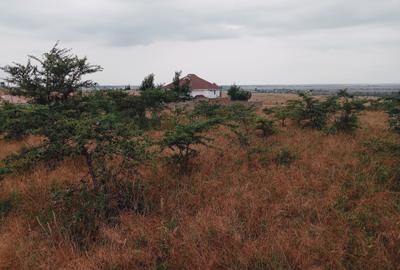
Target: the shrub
pixel 237 93
pixel 17 121
pixel 95 138
pixel 80 210
pixel 309 112
pixel 285 157
pixel 183 138
pixel 283 113
pixel 348 109
pixel 241 119
pixel 207 109
pixel 266 126
pixel 8 204
pixel 393 109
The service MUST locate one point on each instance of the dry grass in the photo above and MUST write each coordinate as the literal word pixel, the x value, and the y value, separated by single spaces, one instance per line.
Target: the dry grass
pixel 325 211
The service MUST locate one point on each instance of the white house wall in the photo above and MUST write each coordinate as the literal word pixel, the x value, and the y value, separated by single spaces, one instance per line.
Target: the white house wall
pixel 206 93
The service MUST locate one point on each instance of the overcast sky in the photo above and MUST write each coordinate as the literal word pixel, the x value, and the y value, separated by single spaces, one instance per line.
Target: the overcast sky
pixel 224 41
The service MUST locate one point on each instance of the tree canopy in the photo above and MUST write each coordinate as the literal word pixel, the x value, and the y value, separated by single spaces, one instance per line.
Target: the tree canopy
pixel 53 76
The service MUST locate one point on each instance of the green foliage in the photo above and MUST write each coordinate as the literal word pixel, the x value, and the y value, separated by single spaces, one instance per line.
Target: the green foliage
pixel 393 109
pixel 90 131
pixel 309 112
pixel 266 126
pixel 182 139
pixel 4 171
pixel 281 113
pixel 389 176
pixel 147 83
pixel 181 87
pixel 207 109
pixel 237 93
pixel 57 75
pixel 156 98
pixel 349 108
pixel 241 119
pixel 80 210
pixel 285 157
pixel 313 113
pixel 384 146
pixel 8 204
pixel 16 121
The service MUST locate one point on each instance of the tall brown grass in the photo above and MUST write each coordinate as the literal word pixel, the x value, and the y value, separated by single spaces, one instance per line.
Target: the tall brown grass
pixel 324 211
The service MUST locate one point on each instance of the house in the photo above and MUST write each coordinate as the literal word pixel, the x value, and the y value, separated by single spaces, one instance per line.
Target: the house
pixel 199 87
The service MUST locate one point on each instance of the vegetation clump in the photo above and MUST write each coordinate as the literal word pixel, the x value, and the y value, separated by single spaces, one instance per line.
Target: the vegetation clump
pixel 147 83
pixel 348 108
pixel 182 139
pixel 285 157
pixel 237 93
pixel 393 109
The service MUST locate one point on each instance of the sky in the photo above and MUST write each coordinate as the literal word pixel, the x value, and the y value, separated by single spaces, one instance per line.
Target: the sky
pixel 223 41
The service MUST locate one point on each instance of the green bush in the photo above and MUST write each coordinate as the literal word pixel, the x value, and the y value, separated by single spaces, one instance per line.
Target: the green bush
pixel 237 93
pixel 310 112
pixel 9 204
pixel 207 109
pixel 147 83
pixel 349 108
pixel 285 157
pixel 392 106
pixel 80 210
pixel 182 139
pixel 266 126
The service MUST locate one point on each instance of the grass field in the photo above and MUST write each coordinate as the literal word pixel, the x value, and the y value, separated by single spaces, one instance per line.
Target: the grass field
pixel 333 207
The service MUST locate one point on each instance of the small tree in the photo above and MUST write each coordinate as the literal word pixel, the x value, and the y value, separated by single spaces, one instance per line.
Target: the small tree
pixel 281 113
pixel 349 108
pixel 183 138
pixel 241 119
pixel 147 83
pixel 97 139
pixel 237 93
pixel 56 76
pixel 310 112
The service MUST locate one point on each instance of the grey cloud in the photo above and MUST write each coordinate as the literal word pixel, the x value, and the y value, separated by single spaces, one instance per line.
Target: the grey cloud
pixel 125 23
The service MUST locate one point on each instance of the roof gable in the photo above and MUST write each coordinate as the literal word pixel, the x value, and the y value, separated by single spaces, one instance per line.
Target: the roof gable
pixel 196 83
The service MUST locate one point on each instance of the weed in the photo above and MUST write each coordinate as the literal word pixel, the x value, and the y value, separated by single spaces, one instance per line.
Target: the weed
pixel 285 157
pixel 8 204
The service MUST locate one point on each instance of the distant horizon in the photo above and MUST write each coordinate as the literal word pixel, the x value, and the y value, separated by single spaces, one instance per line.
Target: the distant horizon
pixel 269 84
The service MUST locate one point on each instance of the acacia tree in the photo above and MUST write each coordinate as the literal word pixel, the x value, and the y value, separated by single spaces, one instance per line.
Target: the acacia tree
pixel 182 139
pixel 54 76
pixel 349 108
pixel 310 112
pixel 242 121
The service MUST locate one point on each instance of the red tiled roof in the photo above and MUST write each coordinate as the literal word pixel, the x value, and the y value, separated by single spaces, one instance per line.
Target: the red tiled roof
pixel 197 83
